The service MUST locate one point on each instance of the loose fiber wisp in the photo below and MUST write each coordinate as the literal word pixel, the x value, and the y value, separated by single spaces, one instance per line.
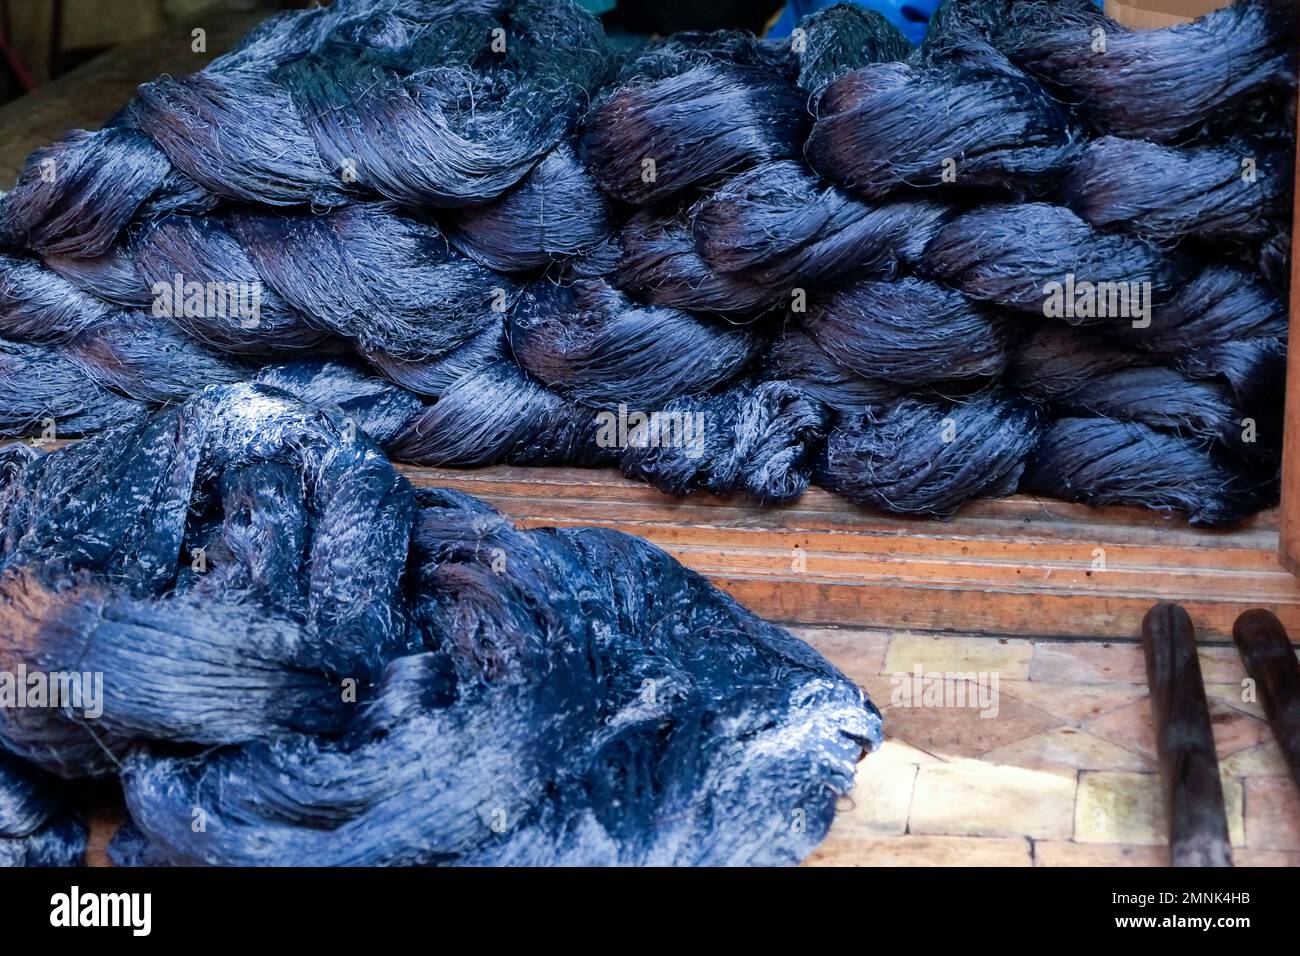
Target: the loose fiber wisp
pixel 483 230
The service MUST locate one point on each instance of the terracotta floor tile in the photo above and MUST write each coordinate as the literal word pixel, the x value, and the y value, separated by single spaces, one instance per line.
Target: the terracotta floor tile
pixel 956 732
pixel 1266 760
pixel 1066 748
pixel 1230 694
pixel 1272 814
pixel 1074 703
pixel 1221 664
pixel 1235 730
pixel 878 689
pixel 1265 858
pixel 1088 662
pixel 971 798
pixel 858 653
pixel 1068 853
pixel 1119 808
pixel 894 752
pixel 1133 728
pixel 1128 808
pixel 879 803
pixel 929 798
pixel 1009 657
pixel 918 850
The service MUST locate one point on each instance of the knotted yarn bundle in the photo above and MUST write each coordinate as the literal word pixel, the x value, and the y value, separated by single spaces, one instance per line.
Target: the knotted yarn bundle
pixel 288 655
pixel 912 276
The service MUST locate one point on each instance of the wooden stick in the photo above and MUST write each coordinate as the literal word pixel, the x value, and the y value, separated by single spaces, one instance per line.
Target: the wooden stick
pixel 1194 809
pixel 1271 663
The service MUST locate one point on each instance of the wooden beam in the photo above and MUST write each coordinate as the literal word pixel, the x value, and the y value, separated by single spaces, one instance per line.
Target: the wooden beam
pixel 1017 565
pixel 1289 543
pixel 1189 769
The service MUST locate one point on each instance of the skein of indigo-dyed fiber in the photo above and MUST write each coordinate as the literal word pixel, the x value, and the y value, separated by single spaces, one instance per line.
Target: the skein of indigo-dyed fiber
pixel 839 38
pixel 1101 461
pixel 1275 260
pixel 1171 194
pixel 445 120
pixel 592 345
pixel 1220 304
pixel 777 225
pixel 387 282
pixel 1224 324
pixel 1078 374
pixel 1057 359
pixel 796 357
pixel 35 828
pixel 1019 255
pixel 76 196
pixel 1159 397
pixel 661 264
pixel 380 410
pixel 408 103
pixel 112 276
pixel 979 123
pixel 908 332
pixel 683 114
pixel 755 438
pixel 434 376
pixel 554 215
pixel 149 360
pixel 928 457
pixel 44 391
pixel 185 259
pixel 498 413
pixel 37 305
pixel 522 697
pixel 1160 85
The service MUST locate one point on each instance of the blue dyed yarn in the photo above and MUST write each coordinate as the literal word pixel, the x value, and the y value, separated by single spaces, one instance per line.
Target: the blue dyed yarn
pixel 366 673
pixel 482 232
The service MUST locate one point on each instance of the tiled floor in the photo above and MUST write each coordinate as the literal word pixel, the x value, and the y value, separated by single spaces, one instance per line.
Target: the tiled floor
pixel 1061 769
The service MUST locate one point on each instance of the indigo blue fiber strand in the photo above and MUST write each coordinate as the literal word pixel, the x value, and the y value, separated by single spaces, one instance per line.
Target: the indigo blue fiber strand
pixel 35 827
pixel 714 261
pixel 360 672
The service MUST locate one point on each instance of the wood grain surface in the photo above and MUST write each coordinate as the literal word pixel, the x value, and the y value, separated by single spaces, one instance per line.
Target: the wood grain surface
pixel 1017 565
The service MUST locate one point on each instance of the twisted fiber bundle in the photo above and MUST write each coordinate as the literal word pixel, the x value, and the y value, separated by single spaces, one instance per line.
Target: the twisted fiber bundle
pixel 1006 255
pixel 35 828
pixel 593 346
pixel 891 126
pixel 519 697
pixel 928 457
pixel 536 246
pixel 1158 85
pixel 1207 196
pixel 910 332
pixel 402 99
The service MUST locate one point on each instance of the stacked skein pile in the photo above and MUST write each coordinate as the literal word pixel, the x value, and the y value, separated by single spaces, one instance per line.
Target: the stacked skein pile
pixel 1042 251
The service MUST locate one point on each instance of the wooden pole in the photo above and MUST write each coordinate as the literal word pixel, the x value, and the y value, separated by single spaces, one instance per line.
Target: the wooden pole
pixel 1194 809
pixel 1288 551
pixel 1271 663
